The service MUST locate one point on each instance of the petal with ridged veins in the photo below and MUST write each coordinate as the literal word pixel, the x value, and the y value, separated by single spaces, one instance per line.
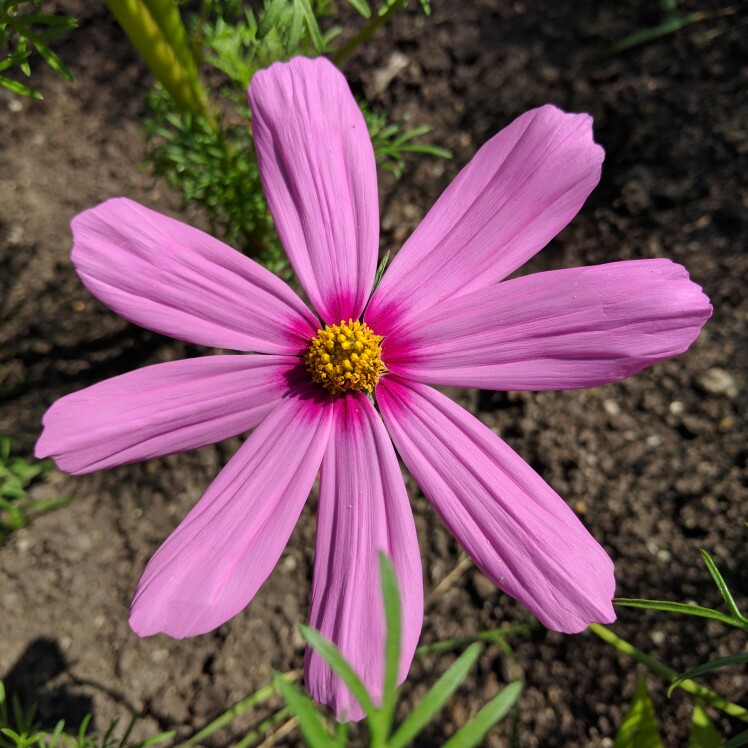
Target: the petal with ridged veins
pixel 563 329
pixel 176 280
pixel 212 565
pixel 518 530
pixel 363 509
pixel 163 409
pixel 320 180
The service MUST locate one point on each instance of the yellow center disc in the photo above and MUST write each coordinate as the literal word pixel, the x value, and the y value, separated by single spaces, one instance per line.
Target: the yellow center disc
pixel 345 357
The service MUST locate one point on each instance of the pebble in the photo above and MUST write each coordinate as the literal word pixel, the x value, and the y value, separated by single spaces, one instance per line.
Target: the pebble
pixel 658 637
pixel 611 408
pixel 396 63
pixel 653 440
pixel 676 407
pixel 717 381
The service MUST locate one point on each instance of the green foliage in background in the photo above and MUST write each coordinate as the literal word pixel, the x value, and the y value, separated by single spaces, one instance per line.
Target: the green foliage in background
pixel 380 719
pixel 19 729
pixel 673 20
pixel 640 728
pixel 199 138
pixel 25 29
pixel 206 152
pixel 16 476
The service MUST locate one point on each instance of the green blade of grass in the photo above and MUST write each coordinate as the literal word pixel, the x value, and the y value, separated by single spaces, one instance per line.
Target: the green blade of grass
pixel 644 36
pixel 264 727
pixel 255 699
pixel 737 741
pixel 311 724
pixel 686 609
pixel 334 658
pixel 393 618
pixel 473 732
pixel 703 733
pixel 708 667
pixel 435 699
pixel 722 585
pixel 639 728
pixel 655 666
pixel 362 7
pixel 18 88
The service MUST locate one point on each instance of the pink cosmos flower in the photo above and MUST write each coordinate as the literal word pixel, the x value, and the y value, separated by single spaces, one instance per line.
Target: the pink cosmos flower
pixel 331 391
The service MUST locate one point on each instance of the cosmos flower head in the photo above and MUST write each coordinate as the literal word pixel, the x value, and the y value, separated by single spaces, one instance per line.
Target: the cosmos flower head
pixel 339 386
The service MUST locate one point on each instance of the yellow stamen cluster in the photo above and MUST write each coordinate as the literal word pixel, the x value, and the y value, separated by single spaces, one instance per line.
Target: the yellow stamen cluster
pixel 345 357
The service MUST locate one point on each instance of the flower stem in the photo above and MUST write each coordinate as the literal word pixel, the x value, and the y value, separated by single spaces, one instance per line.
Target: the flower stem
pixel 492 636
pixel 174 67
pixel 657 667
pixel 255 699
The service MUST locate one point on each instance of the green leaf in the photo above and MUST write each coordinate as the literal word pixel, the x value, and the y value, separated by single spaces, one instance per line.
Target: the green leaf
pixel 435 699
pixel 310 722
pixel 708 667
pixel 295 29
pixel 305 9
pixel 271 16
pixel 644 36
pixel 18 88
pixel 334 658
pixel 722 585
pixel 703 733
pixel 640 728
pixel 686 609
pixel 737 740
pixel 259 732
pixel 393 617
pixel 380 269
pixel 473 732
pixel 255 699
pixel 57 22
pixel 362 7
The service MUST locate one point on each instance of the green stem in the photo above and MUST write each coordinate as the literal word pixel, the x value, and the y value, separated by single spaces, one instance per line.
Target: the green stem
pixel 493 636
pixel 166 14
pixel 657 667
pixel 155 48
pixel 264 727
pixel 258 697
pixel 366 32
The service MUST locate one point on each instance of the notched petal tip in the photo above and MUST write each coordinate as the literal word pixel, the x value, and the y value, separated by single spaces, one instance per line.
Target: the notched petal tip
pixel 318 171
pixel 519 532
pixel 519 190
pixel 363 510
pixel 212 565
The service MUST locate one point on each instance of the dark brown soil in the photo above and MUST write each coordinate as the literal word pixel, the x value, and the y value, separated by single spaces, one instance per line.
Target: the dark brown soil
pixel 656 465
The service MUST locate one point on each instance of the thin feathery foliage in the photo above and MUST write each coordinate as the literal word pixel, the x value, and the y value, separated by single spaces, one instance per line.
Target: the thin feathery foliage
pixel 26 30
pixel 210 157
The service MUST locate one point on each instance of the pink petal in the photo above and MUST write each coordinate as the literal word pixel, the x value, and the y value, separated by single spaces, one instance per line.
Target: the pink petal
pixel 363 509
pixel 211 566
pixel 563 329
pixel 171 278
pixel 318 171
pixel 520 189
pixel 163 409
pixel 519 532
